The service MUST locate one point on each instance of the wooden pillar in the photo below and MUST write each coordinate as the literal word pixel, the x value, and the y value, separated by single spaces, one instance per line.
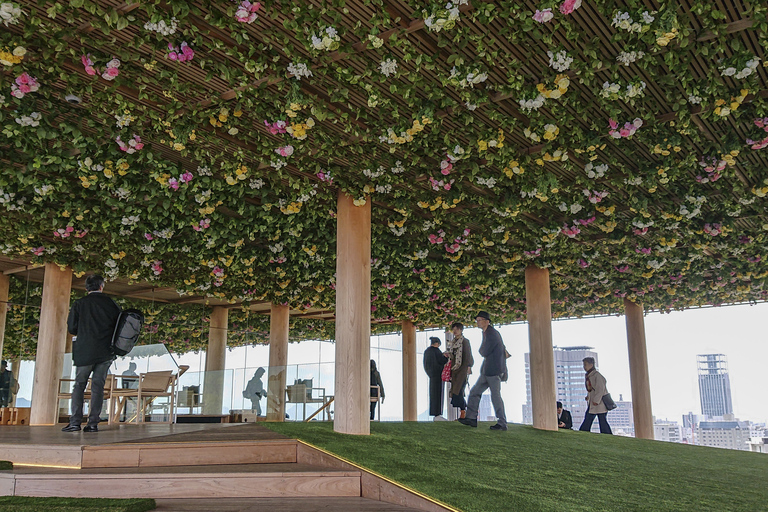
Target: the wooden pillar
pixel 353 317
pixel 638 370
pixel 279 323
pixel 5 283
pixel 539 307
pixel 51 340
pixel 410 366
pixel 215 361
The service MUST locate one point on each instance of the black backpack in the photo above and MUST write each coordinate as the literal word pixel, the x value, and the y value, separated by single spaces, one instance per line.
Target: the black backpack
pixel 127 331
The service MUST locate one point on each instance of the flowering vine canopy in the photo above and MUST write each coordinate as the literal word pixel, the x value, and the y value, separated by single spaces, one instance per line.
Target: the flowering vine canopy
pixel 202 145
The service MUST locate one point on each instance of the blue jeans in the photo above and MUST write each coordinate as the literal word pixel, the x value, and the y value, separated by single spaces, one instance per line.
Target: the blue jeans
pixel 589 418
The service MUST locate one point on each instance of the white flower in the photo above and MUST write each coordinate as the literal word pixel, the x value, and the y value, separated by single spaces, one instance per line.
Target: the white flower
pixel 130 220
pixel 647 18
pixel 730 71
pixel 694 100
pixel 534 104
pixel 10 13
pixel 257 184
pixel 299 70
pixel 470 106
pixel 560 61
pixel 628 58
pixel 32 119
pixel 122 193
pixel 204 171
pixel 388 67
pixel 163 28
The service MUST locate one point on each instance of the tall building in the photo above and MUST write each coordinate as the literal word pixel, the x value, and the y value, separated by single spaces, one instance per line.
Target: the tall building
pixel 621 419
pixel 569 382
pixel 714 385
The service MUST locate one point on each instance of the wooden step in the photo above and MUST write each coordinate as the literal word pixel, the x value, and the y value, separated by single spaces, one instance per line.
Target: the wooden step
pixel 133 455
pixel 346 504
pixel 230 481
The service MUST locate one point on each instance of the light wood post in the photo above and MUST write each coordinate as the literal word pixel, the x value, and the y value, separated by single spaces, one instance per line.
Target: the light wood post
pixel 353 317
pixel 51 340
pixel 539 307
pixel 279 324
pixel 5 283
pixel 215 361
pixel 410 386
pixel 638 370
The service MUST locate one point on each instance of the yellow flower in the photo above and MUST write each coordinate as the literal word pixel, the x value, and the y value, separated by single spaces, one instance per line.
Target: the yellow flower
pixel 482 145
pixel 359 202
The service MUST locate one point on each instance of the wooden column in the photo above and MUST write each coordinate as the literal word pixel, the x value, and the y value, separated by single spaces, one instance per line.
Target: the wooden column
pixel 539 307
pixel 353 317
pixel 279 323
pixel 5 282
pixel 215 361
pixel 410 367
pixel 51 340
pixel 638 370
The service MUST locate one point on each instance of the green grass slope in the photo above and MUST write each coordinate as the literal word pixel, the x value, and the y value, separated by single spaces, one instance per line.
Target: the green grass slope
pixel 523 469
pixel 24 504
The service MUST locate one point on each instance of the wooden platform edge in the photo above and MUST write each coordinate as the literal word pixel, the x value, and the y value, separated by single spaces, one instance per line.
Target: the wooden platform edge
pixel 373 485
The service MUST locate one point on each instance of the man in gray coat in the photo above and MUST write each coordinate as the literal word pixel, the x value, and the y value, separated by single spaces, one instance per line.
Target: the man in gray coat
pixel 492 372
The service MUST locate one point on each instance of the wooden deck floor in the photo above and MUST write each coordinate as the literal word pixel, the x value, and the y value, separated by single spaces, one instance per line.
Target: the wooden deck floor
pixel 142 433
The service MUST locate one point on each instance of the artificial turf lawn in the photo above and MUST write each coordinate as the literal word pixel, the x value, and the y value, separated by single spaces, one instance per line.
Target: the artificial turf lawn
pixel 23 504
pixel 524 469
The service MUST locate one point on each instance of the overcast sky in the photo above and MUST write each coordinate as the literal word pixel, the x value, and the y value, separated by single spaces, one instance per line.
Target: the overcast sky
pixel 673 342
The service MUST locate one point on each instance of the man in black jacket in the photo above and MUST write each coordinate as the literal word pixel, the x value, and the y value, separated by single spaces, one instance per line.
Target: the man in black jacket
pixel 564 419
pixel 92 319
pixel 492 372
pixel 434 361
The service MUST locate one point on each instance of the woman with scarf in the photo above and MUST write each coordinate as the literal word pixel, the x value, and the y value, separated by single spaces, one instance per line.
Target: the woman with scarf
pixel 460 354
pixel 596 389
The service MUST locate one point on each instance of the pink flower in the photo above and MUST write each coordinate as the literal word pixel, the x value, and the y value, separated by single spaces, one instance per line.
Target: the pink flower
pixel 622 268
pixel 186 177
pixel 543 16
pixel 110 73
pixel 276 127
pixel 285 150
pixel 173 184
pixel 182 54
pixel 88 64
pixel 569 6
pixel 38 251
pixel 583 263
pixel 247 11
pixel 149 236
pixel 157 267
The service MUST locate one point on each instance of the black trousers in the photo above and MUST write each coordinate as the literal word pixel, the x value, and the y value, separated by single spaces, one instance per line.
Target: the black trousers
pixel 435 396
pixel 589 418
pixel 82 373
pixel 373 410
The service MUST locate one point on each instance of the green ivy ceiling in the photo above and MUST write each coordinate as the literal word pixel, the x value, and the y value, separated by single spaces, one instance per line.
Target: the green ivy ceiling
pixel 202 146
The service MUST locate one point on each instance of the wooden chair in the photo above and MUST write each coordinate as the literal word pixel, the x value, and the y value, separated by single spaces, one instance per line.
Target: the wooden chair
pixel 151 385
pixel 377 398
pixel 109 386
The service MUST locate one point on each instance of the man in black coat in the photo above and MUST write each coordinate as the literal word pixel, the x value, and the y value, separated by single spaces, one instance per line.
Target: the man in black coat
pixel 492 373
pixel 434 361
pixel 92 319
pixel 564 419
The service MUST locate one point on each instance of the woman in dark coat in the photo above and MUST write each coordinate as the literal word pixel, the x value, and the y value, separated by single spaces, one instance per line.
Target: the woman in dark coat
pixel 460 353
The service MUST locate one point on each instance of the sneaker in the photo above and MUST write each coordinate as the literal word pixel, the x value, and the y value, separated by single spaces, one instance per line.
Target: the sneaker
pixel 91 429
pixel 439 417
pixel 469 422
pixel 498 427
pixel 71 428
